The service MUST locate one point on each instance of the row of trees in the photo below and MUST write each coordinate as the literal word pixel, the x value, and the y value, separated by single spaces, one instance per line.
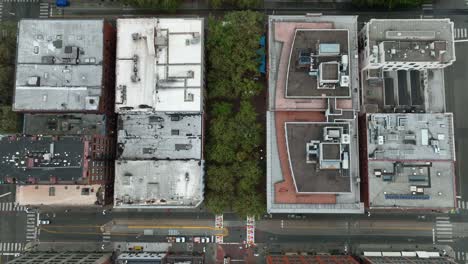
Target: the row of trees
pixel 8 119
pixel 163 5
pixel 388 3
pixel 172 5
pixel 234 170
pixel 236 3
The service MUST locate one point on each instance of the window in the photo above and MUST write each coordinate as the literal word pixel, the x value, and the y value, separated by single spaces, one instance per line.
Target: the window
pixel 174 132
pixel 51 191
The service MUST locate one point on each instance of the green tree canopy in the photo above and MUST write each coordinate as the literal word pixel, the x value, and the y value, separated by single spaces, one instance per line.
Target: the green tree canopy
pixel 164 5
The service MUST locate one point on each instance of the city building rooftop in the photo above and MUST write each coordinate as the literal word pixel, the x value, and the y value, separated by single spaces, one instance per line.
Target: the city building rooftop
pixel 410 136
pixel 403 91
pixel 411 161
pixel 150 135
pixel 160 64
pixel 416 257
pixel 42 159
pixel 318 64
pixel 161 183
pixel 410 40
pixel 310 259
pixel 62 195
pixel 59 65
pixel 64 124
pixel 312 59
pixel 312 157
pixel 319 151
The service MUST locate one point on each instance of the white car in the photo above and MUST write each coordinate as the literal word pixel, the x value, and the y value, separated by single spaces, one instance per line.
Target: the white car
pixel 44 222
pixel 180 239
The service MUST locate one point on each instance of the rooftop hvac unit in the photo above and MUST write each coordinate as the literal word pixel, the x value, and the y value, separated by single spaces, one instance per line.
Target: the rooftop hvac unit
pixel 196 38
pixel 344 82
pixel 345 139
pixel 344 62
pixel 136 36
pixel 189 97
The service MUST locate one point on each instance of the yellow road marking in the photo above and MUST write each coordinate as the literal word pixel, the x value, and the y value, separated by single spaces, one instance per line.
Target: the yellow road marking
pixel 76 226
pixel 225 230
pixel 83 233
pixel 361 227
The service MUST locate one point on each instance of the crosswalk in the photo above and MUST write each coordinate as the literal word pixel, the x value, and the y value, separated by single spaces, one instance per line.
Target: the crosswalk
pixel 428 10
pixel 20 1
pixel 31 226
pixel 44 10
pixel 461 33
pixel 443 229
pixel 11 248
pixel 1 11
pixel 250 228
pixel 427 7
pixel 56 12
pixel 219 223
pixel 460 256
pixel 462 204
pixel 106 237
pixel 11 207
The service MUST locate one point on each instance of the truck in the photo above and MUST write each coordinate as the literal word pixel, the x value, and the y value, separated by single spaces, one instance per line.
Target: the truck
pixel 62 3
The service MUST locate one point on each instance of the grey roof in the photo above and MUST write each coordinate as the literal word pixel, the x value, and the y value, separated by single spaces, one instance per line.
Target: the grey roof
pixel 40 158
pixel 64 124
pixel 59 65
pixel 413 260
pixel 406 150
pixel 309 177
pixel 401 136
pixel 162 183
pixel 419 32
pixel 140 258
pixel 393 188
pixel 150 135
pixel 300 83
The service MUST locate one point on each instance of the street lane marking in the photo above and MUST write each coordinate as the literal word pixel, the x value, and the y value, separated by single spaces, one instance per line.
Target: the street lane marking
pixel 10 207
pixel 225 230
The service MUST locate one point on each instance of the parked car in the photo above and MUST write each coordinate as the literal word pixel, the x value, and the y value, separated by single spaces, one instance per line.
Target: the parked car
pixel 180 239
pixel 44 222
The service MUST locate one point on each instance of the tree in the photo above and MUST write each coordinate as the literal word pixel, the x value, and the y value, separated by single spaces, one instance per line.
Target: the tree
pixel 221 153
pixel 7 84
pixel 165 5
pixel 222 109
pixel 232 55
pixel 217 202
pixel 249 204
pixel 220 179
pixel 388 3
pixel 8 120
pixel 250 131
pixel 233 170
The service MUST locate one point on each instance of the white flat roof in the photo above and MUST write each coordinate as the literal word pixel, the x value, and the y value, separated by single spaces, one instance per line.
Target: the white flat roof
pixel 158 183
pixel 165 58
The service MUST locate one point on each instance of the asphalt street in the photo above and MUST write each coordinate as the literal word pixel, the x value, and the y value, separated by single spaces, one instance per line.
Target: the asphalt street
pixel 456 101
pixel 82 226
